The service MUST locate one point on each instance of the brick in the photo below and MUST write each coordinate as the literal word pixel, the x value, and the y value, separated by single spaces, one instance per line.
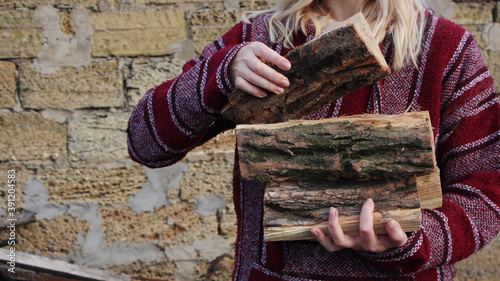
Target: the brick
pixel 7 84
pixel 98 139
pixel 29 136
pixel 138 33
pixel 20 35
pixel 98 85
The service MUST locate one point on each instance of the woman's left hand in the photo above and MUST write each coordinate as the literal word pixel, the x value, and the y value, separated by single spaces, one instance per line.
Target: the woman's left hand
pixel 367 239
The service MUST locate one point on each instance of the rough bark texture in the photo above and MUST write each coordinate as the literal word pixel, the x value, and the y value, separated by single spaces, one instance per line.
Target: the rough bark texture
pixel 308 202
pixel 356 147
pixel 292 208
pixel 309 166
pixel 339 62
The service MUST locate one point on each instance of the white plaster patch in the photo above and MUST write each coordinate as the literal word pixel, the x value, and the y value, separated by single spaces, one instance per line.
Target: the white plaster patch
pixel 90 249
pixel 60 49
pixel 186 257
pixel 491 34
pixel 208 205
pixel 154 193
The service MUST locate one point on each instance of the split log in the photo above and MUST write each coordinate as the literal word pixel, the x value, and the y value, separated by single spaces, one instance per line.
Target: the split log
pixel 308 202
pixel 409 219
pixel 354 147
pixel 280 226
pixel 323 70
pixel 309 166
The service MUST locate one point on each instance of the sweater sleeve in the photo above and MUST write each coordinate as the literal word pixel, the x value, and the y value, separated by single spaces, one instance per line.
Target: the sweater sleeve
pixel 468 153
pixel 180 114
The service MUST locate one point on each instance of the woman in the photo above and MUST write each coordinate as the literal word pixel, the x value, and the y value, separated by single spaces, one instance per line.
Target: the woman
pixel 436 67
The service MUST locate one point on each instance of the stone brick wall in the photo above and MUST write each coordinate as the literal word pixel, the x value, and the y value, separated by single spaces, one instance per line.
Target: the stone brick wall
pixel 71 71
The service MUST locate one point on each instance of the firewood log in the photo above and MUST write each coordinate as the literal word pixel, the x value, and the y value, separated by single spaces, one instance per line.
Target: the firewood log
pixel 323 70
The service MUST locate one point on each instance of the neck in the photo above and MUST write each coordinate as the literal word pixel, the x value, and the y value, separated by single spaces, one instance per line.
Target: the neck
pixel 342 9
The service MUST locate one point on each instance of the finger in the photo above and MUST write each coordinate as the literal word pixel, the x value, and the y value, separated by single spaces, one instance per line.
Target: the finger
pixel 396 233
pixel 367 236
pixel 324 240
pixel 336 231
pixel 269 55
pixel 249 88
pixel 256 75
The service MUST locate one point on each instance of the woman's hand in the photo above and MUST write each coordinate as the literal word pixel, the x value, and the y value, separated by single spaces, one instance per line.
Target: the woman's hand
pixel 249 72
pixel 367 239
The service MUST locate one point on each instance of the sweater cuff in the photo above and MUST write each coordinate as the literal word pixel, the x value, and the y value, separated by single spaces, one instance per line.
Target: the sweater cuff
pixel 223 82
pixel 405 259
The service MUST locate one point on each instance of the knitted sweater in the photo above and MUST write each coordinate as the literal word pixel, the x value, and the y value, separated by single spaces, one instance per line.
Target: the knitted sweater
pixel 452 83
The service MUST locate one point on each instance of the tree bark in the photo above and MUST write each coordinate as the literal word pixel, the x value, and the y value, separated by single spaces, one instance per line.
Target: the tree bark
pixel 308 202
pixel 355 147
pixel 323 70
pixel 309 166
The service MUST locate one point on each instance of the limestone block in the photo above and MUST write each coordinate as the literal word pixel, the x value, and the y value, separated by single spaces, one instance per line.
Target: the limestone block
pixel 22 174
pixel 98 139
pixel 20 35
pixel 492 60
pixel 210 23
pixel 53 238
pixel 160 2
pixel 203 178
pixel 489 38
pixel 29 136
pixel 203 36
pixel 154 194
pixel 483 265
pixel 136 33
pixel 13 4
pixel 98 85
pixel 473 13
pixel 156 270
pixel 7 84
pixel 67 39
pixel 120 221
pixel 146 74
pixel 97 186
pixel 201 250
pixel 227 222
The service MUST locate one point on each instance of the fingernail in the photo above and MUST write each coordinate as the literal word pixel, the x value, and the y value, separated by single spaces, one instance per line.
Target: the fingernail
pixel 286 65
pixel 368 201
pixel 315 232
pixel 392 224
pixel 333 212
pixel 285 83
pixel 279 90
pixel 262 94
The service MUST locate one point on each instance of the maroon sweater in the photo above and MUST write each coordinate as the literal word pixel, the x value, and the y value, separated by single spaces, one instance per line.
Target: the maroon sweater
pixel 452 83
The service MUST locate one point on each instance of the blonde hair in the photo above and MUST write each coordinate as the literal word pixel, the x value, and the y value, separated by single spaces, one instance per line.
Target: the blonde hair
pixel 403 19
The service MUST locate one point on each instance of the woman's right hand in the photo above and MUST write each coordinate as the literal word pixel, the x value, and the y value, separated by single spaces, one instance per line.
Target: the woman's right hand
pixel 249 72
